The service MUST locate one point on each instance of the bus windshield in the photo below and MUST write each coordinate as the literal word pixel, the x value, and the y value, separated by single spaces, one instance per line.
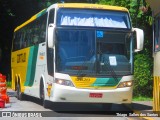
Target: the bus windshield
pixel 92 51
pixel 93 18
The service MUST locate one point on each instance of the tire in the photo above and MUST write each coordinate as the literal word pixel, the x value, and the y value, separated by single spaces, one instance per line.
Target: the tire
pixel 19 93
pixel 42 96
pixel 45 104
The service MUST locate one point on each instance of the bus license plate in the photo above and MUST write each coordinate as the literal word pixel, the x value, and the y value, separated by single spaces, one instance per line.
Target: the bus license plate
pixel 95 95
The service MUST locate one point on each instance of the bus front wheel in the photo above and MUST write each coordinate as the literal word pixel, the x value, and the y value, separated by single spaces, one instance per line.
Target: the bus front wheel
pixel 42 96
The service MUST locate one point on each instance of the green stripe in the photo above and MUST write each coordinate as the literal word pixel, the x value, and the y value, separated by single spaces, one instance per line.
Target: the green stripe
pixel 32 60
pixel 106 82
pixel 41 13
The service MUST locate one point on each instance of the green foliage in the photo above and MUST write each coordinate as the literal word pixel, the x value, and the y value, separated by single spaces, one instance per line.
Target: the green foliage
pixel 123 3
pixel 138 16
pixel 142 98
pixel 143 75
pixel 46 3
pixel 9 84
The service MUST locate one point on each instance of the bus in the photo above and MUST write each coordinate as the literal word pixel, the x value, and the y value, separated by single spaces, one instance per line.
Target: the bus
pixel 154 4
pixel 77 53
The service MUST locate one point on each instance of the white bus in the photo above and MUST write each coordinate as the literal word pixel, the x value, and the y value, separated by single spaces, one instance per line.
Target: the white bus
pixel 74 52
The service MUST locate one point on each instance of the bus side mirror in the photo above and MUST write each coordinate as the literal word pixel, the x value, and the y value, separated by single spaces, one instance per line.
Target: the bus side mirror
pixel 139 39
pixel 51 31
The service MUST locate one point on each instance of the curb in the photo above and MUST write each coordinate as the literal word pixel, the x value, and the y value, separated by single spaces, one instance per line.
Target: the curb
pixel 138 112
pixel 11 93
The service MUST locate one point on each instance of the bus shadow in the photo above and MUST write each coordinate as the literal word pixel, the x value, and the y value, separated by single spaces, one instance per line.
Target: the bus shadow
pixel 142 107
pixel 90 109
pixel 79 109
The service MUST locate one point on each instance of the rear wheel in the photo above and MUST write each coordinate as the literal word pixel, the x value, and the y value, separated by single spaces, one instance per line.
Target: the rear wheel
pixel 19 93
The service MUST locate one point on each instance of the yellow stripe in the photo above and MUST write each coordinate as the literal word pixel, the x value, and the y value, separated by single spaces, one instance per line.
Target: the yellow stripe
pixel 25 23
pixel 87 83
pixel 28 21
pixel 83 82
pixel 91 6
pixel 158 88
pixel 156 94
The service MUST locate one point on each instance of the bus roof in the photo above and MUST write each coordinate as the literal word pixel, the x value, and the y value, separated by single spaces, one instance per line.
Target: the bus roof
pixel 154 4
pixel 73 5
pixel 90 6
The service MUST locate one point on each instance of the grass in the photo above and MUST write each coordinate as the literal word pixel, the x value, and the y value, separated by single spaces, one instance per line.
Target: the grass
pixel 142 98
pixel 9 84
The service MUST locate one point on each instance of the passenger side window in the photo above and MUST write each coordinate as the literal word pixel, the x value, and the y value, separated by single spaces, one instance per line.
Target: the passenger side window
pixel 51 16
pixel 50 51
pixel 31 34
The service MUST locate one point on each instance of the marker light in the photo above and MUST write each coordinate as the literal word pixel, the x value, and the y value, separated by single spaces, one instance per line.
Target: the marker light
pixel 125 84
pixel 64 82
pixel 79 67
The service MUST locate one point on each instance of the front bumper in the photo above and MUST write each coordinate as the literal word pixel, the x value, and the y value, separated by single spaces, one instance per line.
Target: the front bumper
pixel 62 93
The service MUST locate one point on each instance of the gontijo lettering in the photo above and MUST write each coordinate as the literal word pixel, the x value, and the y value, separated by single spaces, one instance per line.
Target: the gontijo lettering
pixel 21 57
pixel 82 79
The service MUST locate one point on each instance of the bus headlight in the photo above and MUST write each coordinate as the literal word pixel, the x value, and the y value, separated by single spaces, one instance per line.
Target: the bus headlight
pixel 125 84
pixel 64 82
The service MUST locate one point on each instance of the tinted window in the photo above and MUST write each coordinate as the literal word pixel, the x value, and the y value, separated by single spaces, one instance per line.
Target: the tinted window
pixel 31 34
pixel 93 18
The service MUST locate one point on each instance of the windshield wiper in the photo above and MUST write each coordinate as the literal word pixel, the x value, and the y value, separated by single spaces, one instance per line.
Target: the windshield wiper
pixel 107 65
pixel 80 71
pixel 109 68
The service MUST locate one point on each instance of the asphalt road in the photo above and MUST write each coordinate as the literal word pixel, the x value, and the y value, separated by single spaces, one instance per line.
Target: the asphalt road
pixel 65 111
